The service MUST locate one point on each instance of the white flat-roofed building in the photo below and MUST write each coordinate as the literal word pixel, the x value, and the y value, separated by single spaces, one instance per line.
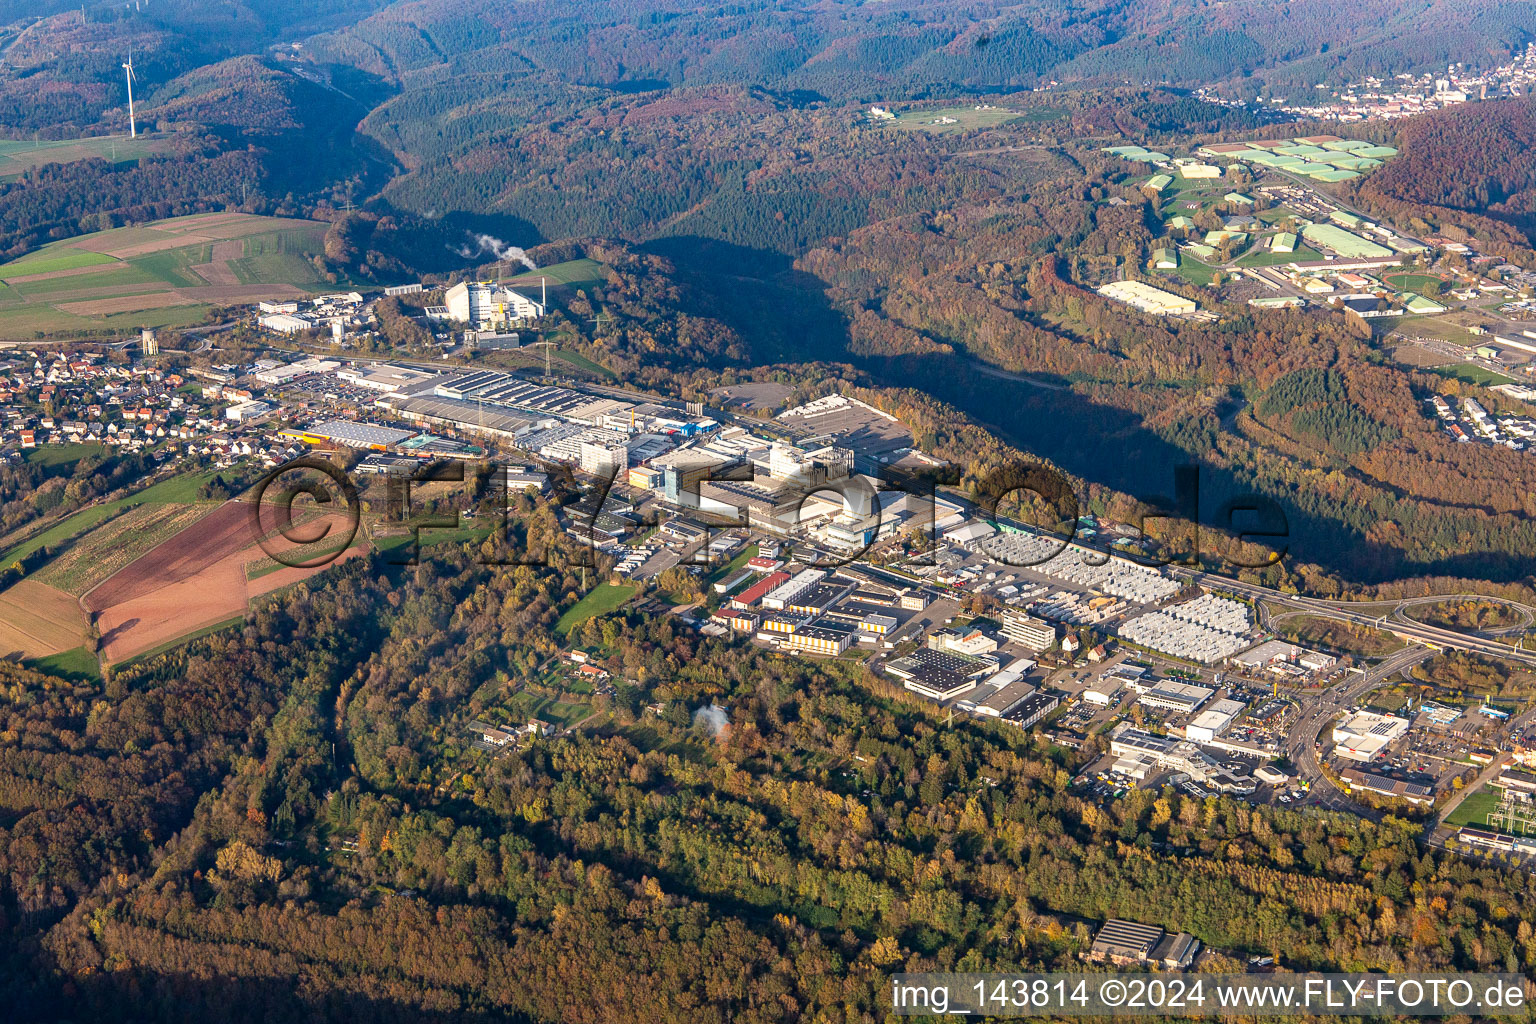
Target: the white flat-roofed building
pixel 352 434
pixel 1147 298
pixel 1173 696
pixel 972 642
pixel 1102 690
pixel 1366 734
pixel 292 371
pixel 1213 721
pixel 244 412
pixel 876 625
pixel 782 596
pixel 385 377
pixel 285 323
pixel 520 478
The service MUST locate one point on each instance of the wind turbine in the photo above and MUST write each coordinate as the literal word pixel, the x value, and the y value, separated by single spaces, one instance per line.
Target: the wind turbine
pixel 133 128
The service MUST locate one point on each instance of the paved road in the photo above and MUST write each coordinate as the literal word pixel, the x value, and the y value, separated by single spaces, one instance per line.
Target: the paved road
pixel 1415 632
pixel 1303 745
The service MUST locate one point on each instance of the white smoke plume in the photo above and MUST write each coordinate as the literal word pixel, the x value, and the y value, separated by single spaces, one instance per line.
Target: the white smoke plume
pixel 715 719
pixel 496 247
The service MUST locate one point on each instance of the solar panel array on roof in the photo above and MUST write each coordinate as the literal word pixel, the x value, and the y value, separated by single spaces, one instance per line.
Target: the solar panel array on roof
pixel 504 389
pixel 360 435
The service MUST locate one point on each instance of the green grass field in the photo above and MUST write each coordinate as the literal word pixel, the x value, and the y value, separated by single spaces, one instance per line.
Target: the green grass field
pixel 1261 256
pixel 548 709
pixel 1471 373
pixel 563 280
pixel 1193 271
pixel 600 600
pixel 965 118
pixel 167 274
pixel 19 156
pixel 75 664
pixel 470 532
pixel 1410 281
pixel 44 263
pixel 64 454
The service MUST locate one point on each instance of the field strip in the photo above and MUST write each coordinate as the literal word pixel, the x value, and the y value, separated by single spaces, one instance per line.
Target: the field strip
pixel 54 275
pixel 110 247
pixel 239 292
pixel 118 291
pixel 125 304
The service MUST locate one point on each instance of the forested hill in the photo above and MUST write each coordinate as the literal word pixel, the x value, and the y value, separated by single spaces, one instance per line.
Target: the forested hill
pixel 843 49
pixel 1474 159
pixel 61 71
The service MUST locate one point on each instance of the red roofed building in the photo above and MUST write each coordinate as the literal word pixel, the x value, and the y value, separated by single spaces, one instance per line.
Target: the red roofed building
pixel 755 593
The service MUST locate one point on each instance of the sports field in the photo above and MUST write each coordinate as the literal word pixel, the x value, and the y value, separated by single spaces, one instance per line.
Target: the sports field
pixel 1471 373
pixel 165 274
pixel 20 156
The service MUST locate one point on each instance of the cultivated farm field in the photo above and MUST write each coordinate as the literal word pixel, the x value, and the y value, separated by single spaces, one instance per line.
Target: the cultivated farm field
pixel 166 274
pixel 190 581
pixel 111 546
pixel 38 621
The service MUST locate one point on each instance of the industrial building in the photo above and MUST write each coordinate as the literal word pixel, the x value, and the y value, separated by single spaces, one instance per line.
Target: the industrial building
pixel 1184 698
pixel 1214 721
pixel 1412 792
pixel 1141 755
pixel 349 433
pixel 939 675
pixel 1364 735
pixel 1128 943
pixel 386 377
pixel 819 639
pixel 1345 243
pixel 1147 298
pixel 283 373
pixel 483 305
pixel 1032 709
pixel 1199 171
